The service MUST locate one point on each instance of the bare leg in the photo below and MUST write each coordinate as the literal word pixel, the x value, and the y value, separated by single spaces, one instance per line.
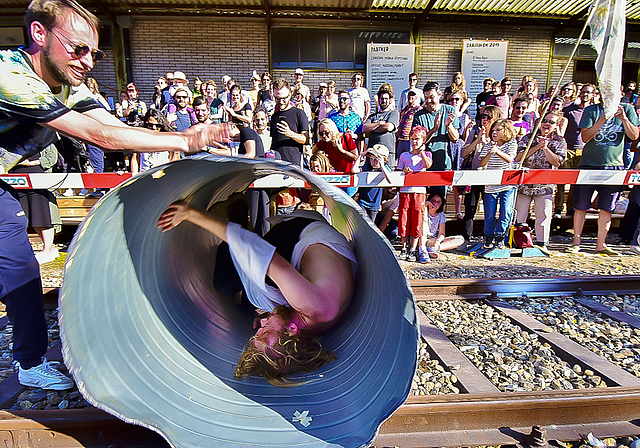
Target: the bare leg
pixel 457 201
pixel 604 223
pixel 414 243
pixel 578 225
pixel 46 234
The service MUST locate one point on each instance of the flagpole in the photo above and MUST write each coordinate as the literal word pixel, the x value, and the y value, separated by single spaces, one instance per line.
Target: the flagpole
pixel 555 90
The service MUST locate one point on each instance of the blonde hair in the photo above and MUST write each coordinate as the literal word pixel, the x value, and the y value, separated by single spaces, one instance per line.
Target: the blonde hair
pixel 330 126
pixel 48 12
pixel 508 130
pixel 294 353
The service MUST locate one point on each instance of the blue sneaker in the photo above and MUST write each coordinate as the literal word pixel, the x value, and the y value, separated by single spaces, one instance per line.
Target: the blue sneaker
pixel 421 257
pixel 432 253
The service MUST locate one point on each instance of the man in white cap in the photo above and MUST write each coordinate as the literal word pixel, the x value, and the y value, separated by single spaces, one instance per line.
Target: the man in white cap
pixel 299 76
pixel 180 80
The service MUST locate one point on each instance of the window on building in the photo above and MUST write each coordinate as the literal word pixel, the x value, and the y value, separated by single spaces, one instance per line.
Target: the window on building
pixel 327 49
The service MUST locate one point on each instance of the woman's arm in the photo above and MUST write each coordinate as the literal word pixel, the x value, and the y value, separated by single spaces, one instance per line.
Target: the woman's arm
pixel 348 152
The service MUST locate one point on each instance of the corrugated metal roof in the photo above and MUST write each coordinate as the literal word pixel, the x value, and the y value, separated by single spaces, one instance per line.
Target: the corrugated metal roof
pixel 553 8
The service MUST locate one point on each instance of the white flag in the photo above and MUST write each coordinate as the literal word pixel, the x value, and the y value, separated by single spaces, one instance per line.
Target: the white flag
pixel 607 34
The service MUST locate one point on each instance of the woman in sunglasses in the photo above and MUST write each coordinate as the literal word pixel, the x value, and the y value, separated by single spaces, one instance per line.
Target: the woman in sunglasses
pixel 548 151
pixel 156 121
pixel 340 148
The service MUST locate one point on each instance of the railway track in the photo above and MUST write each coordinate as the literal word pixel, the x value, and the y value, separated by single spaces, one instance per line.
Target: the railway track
pixel 480 414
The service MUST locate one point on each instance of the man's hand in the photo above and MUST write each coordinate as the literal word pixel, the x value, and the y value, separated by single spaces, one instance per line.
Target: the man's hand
pixel 620 114
pixel 284 129
pixel 436 123
pixel 202 135
pixel 450 119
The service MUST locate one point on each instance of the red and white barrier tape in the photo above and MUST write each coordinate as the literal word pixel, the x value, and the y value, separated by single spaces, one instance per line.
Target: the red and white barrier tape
pixel 366 179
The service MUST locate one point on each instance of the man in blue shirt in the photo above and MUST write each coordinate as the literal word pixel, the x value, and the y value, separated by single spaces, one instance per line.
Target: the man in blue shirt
pixel 345 119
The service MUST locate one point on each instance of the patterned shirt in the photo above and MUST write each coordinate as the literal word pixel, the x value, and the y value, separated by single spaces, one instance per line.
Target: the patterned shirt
pixel 26 101
pixel 406 120
pixel 347 123
pixel 538 161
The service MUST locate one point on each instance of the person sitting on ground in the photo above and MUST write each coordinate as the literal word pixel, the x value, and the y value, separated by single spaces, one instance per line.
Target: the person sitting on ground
pixel 433 234
pixel 548 151
pixel 498 154
pixel 411 209
pixel 302 273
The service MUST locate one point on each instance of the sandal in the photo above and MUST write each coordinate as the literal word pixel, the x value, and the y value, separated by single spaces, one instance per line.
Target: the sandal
pixel 607 251
pixel 573 249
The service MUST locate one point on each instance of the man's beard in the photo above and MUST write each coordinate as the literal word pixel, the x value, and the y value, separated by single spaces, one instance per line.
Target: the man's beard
pixel 56 72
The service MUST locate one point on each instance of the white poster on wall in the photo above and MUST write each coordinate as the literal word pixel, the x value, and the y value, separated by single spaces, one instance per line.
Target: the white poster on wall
pixel 390 63
pixel 482 59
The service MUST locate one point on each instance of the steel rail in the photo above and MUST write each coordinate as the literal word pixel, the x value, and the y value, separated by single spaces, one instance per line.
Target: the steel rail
pixel 482 416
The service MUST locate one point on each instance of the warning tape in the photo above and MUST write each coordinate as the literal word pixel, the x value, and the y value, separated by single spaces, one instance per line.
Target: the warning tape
pixel 366 179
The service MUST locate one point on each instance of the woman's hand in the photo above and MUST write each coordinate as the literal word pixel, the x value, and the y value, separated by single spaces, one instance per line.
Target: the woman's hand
pixel 407 170
pixel 174 215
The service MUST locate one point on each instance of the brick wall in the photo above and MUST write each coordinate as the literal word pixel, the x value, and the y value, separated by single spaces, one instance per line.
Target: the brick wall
pixel 208 49
pixel 105 73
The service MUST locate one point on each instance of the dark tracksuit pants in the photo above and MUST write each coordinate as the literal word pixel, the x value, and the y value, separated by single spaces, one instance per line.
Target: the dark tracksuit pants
pixel 20 284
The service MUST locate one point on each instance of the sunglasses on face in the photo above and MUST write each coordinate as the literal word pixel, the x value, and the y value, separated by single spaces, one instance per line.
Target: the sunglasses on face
pixel 154 126
pixel 484 117
pixel 78 49
pixel 182 97
pixel 342 98
pixel 323 133
pixel 546 121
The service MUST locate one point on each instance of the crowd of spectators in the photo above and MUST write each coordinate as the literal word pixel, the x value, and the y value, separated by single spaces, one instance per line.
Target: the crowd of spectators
pixel 429 128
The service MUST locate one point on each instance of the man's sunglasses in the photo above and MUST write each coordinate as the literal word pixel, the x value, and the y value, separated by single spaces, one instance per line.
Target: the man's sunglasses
pixel 79 50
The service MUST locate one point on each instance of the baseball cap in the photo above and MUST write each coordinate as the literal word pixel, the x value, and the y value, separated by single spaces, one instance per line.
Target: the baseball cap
pixel 379 150
pixel 323 84
pixel 299 71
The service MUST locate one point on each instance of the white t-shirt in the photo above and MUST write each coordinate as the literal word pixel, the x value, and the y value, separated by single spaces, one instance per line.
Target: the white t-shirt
pixel 251 256
pixel 359 97
pixel 431 227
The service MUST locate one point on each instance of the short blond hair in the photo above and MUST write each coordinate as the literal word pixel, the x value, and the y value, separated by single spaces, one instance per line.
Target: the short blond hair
pixel 47 12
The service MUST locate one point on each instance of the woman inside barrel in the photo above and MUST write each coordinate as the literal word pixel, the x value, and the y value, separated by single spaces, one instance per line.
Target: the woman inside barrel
pixel 301 273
